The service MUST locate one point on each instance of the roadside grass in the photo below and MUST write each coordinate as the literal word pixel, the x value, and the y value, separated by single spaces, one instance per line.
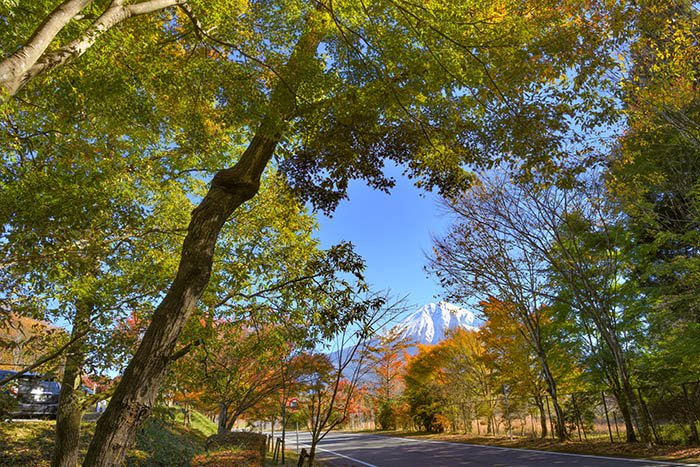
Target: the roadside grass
pixel 163 441
pixel 600 446
pixel 27 443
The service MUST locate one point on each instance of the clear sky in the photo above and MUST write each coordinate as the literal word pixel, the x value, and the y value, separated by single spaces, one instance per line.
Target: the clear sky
pixel 393 234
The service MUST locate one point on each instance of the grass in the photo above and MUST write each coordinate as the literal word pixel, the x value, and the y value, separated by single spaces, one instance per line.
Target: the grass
pixel 596 446
pixel 163 441
pixel 26 443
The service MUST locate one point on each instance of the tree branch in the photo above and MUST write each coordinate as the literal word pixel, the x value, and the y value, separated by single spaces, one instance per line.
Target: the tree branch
pixel 16 64
pixel 16 77
pixel 43 360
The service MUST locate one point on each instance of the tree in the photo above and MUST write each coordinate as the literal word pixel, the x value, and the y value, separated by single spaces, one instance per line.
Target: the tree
pixel 23 341
pixel 572 235
pixel 386 360
pixel 425 388
pixel 234 369
pixel 483 254
pixel 654 177
pixel 341 117
pixel 332 386
pixel 37 57
pixel 660 92
pixel 513 360
pixel 467 367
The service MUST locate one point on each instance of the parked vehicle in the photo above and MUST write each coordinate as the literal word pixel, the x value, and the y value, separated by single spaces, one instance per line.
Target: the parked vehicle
pixel 36 396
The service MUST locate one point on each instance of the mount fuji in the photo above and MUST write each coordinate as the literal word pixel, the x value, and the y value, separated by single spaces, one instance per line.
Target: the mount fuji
pixel 430 323
pixel 427 325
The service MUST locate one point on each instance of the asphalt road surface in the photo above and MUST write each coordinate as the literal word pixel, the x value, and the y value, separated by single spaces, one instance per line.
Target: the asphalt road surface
pixel 352 449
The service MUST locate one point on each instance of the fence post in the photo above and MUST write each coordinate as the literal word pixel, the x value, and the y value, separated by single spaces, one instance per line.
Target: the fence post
pixel 607 417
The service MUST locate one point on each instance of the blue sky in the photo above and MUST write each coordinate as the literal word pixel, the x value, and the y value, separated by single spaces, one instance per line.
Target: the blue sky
pixel 392 233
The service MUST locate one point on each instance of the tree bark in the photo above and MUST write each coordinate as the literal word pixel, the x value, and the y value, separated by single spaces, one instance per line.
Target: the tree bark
pixel 552 390
pixel 31 60
pixel 636 412
pixel 136 393
pixel 133 399
pixel 543 416
pixel 223 419
pixel 19 62
pixel 70 408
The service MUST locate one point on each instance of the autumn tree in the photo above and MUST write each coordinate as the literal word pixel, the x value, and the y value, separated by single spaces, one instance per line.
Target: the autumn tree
pixel 655 177
pixel 515 364
pixel 386 359
pixel 333 90
pixel 332 386
pixel 483 256
pixel 572 233
pixel 234 369
pixel 470 378
pixel 425 390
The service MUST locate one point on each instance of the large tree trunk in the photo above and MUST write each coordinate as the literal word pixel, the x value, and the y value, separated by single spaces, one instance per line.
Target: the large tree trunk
pixel 543 416
pixel 560 428
pixel 223 419
pixel 630 399
pixel 70 409
pixel 133 399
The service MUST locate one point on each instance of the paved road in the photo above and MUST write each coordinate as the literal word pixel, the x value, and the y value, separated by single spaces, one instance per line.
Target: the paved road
pixel 351 449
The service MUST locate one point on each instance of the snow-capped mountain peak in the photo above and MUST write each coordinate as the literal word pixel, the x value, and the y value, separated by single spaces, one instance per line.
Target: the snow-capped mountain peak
pixel 430 323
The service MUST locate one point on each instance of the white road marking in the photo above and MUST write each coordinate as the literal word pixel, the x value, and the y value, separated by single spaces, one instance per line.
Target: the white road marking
pixel 342 455
pixel 501 448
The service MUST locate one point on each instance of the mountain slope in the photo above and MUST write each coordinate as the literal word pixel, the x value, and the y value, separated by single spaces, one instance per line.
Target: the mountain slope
pixel 430 323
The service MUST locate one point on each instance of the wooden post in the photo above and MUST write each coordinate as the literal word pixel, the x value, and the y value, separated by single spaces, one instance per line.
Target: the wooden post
pixel 607 417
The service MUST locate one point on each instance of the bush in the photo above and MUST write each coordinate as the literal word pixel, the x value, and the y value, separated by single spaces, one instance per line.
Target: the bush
pixel 240 458
pixel 241 440
pixel 386 417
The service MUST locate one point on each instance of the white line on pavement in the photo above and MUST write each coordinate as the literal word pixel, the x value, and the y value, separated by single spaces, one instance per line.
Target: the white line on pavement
pixel 501 448
pixel 342 455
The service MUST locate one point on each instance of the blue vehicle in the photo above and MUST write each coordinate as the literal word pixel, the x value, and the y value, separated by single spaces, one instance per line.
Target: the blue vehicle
pixel 36 396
